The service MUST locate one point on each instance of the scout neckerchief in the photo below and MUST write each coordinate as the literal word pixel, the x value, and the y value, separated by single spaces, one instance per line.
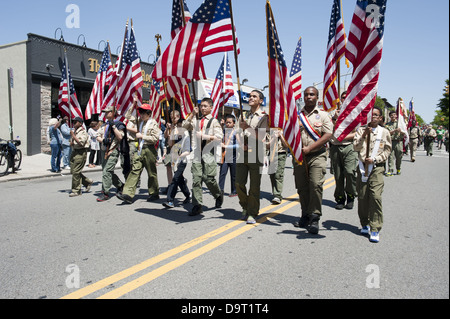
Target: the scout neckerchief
pixel 309 128
pixel 362 168
pixel 144 133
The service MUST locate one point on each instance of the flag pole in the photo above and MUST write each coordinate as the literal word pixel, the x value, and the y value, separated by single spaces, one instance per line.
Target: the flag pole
pixel 236 61
pixel 119 67
pixel 66 62
pixel 193 81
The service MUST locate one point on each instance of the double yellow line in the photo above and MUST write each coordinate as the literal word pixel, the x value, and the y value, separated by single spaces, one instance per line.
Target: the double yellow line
pixel 148 277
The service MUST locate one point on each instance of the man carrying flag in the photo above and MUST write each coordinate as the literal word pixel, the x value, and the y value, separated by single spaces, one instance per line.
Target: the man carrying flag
pixel 413 132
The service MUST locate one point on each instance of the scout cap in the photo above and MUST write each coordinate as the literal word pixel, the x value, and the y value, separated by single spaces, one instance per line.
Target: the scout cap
pixel 146 107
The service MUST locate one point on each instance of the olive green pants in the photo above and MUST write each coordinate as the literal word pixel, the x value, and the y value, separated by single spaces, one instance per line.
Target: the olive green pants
pixel 249 201
pixel 370 208
pixel 146 160
pixel 204 172
pixel 309 180
pixel 78 159
pixel 277 178
pixel 344 160
pixel 395 158
pixel 109 178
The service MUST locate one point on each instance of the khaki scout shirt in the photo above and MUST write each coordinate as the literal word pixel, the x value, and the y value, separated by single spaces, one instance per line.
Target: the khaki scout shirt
pixel 320 121
pixel 151 137
pixel 360 144
pixel 397 136
pixel 83 138
pixel 414 132
pixel 192 124
pixel 132 123
pixel 257 121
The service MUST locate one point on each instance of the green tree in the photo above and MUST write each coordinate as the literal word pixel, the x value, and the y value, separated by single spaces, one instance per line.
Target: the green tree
pixel 442 115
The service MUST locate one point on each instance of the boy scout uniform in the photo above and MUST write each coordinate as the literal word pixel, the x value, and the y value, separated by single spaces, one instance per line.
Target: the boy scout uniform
pixel 397 147
pixel 144 158
pixel 370 209
pixel 251 164
pixel 204 166
pixel 277 172
pixel 414 134
pixel 429 135
pixel 310 176
pixel 78 160
pixel 344 161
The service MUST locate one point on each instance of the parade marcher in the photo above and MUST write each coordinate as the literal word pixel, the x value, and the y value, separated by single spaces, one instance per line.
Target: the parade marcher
pixel 66 149
pixel 440 132
pixel 230 145
pixel 414 135
pixel 397 136
pixel 180 148
pixel 446 136
pixel 429 137
pixel 207 133
pixel 279 149
pixel 80 144
pixel 316 130
pixel 344 160
pixel 254 132
pixel 370 181
pixel 114 134
pixel 146 157
pixel 55 139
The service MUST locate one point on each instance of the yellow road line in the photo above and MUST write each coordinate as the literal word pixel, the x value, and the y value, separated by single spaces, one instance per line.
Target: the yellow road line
pixel 182 260
pixel 154 260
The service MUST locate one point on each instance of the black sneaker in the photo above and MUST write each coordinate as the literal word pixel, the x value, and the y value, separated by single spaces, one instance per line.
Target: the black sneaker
pixel 302 222
pixel 219 200
pixel 126 198
pixel 350 204
pixel 340 203
pixel 196 210
pixel 313 227
pixel 187 200
pixel 153 198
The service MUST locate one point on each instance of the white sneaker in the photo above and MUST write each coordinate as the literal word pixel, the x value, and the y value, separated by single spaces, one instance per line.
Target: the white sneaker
pixel 276 201
pixel 251 220
pixel 365 230
pixel 374 237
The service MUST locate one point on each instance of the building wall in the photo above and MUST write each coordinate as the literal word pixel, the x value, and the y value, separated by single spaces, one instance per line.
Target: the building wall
pixel 14 56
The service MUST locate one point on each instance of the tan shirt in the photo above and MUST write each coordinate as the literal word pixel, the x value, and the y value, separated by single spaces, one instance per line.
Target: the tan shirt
pixel 151 137
pixel 192 124
pixel 320 121
pixel 83 138
pixel 360 144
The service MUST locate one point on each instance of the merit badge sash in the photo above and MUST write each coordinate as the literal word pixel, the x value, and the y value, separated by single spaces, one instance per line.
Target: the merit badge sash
pixel 309 128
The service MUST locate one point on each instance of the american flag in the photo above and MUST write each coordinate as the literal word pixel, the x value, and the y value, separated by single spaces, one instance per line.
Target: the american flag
pixel 102 80
pixel 177 17
pixel 296 71
pixel 223 87
pixel 178 89
pixel 401 119
pixel 335 51
pixel 156 98
pixel 131 80
pixel 364 51
pixel 67 99
pixel 412 114
pixel 282 110
pixel 208 31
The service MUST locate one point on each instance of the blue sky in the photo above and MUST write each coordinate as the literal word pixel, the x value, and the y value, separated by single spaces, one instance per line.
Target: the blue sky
pixel 416 43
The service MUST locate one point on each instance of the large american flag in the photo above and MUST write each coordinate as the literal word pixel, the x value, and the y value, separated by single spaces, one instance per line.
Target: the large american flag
pixel 208 31
pixel 178 16
pixel 335 51
pixel 223 87
pixel 282 110
pixel 296 71
pixel 102 80
pixel 131 80
pixel 364 51
pixel 67 98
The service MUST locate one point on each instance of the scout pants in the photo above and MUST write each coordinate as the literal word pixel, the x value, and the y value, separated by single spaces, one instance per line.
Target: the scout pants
pixel 146 160
pixel 109 178
pixel 396 155
pixel 309 179
pixel 413 143
pixel 77 162
pixel 204 172
pixel 277 178
pixel 370 208
pixel 249 202
pixel 345 161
